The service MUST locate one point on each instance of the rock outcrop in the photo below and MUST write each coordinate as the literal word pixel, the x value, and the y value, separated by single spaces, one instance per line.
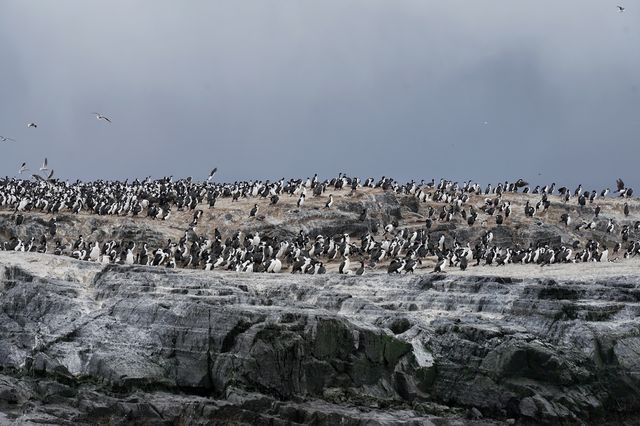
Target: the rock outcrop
pixel 85 344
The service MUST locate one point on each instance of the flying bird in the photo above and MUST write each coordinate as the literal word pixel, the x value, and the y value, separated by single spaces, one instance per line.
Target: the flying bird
pixel 213 172
pixel 4 139
pixel 620 8
pixel 23 168
pixel 619 184
pixel 44 165
pixel 34 125
pixel 101 117
pixel 520 183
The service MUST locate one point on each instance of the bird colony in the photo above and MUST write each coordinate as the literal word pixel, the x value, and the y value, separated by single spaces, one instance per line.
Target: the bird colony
pixel 597 226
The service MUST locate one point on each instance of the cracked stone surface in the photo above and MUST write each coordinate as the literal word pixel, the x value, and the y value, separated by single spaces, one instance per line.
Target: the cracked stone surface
pixel 81 343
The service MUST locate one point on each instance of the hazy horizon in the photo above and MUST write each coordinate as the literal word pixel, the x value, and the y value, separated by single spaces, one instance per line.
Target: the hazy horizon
pixel 549 92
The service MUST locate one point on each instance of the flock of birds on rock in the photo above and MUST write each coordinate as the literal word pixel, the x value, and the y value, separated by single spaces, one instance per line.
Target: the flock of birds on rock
pixel 401 249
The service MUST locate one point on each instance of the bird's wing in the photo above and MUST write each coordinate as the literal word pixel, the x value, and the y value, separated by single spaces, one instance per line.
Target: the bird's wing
pixel 38 177
pixel 50 175
pixel 106 118
pixel 45 161
pixel 215 169
pixel 620 184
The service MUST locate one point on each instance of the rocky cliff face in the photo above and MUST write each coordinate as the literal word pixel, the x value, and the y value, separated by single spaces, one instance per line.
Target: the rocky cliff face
pixel 84 344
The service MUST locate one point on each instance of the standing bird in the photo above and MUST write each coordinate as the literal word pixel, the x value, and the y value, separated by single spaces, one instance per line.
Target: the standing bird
pixel 329 203
pixel 44 165
pixel 464 263
pixel 213 172
pixel 101 117
pixel 344 266
pixel 52 226
pixel 34 125
pixel 440 265
pixel 626 209
pixel 23 168
pixel 253 211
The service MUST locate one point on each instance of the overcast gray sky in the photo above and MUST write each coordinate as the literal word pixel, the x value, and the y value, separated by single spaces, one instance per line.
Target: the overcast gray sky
pixel 266 89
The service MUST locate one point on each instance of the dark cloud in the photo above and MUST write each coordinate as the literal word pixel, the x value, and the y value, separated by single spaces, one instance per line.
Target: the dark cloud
pixel 265 89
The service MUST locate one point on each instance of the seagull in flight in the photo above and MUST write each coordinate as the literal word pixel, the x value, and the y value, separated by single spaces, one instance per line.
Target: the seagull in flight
pixel 620 8
pixel 101 117
pixel 4 139
pixel 34 125
pixel 44 165
pixel 23 168
pixel 213 172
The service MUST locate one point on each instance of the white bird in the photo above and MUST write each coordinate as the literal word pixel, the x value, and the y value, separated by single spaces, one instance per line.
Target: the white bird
pixel 34 125
pixel 44 165
pixel 23 168
pixel 101 117
pixel 95 252
pixel 129 259
pixel 4 139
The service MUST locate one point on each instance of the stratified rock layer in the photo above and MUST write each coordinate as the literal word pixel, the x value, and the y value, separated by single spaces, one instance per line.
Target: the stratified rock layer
pixel 81 343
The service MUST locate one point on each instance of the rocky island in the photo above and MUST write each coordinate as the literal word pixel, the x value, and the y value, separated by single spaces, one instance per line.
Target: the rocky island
pixel 107 341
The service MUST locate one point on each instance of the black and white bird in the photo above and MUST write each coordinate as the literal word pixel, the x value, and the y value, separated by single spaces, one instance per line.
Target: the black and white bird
pixel 610 226
pixel 101 117
pixel 440 266
pixel 622 190
pixel 344 266
pixel 329 203
pixel 620 9
pixel 253 211
pixel 213 172
pixel 30 125
pixel 23 168
pixel 44 165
